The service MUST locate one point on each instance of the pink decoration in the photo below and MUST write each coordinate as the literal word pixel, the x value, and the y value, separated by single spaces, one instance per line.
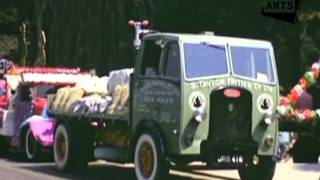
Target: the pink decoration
pixel 284 101
pixel 308 114
pixel 42 129
pixel 304 83
pixel 315 66
pixel 49 70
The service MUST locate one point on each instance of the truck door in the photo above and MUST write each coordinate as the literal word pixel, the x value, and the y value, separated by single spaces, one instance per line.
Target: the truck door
pixel 170 108
pixel 157 87
pixel 146 75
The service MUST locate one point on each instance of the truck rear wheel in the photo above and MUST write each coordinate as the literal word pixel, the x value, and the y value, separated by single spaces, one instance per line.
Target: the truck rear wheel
pixel 69 150
pixel 149 158
pixel 264 170
pixel 32 148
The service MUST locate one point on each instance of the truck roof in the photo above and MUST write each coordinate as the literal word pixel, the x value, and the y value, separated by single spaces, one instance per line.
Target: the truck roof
pixel 212 39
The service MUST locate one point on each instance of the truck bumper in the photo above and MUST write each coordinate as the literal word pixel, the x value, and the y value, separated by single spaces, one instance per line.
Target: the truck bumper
pixel 228 155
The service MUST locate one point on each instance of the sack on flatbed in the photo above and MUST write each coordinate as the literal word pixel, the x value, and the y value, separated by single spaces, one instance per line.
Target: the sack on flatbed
pixel 118 77
pixel 60 96
pixel 119 99
pixel 94 85
pixel 91 104
pixel 65 97
pixel 75 94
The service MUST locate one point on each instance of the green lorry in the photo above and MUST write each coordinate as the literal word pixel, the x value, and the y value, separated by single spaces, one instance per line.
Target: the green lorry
pixel 193 97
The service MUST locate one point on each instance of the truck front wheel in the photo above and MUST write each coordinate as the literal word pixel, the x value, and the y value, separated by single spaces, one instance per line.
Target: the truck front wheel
pixel 149 158
pixel 264 170
pixel 69 150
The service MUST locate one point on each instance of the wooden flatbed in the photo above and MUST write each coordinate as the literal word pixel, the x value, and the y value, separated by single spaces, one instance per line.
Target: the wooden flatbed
pixel 111 119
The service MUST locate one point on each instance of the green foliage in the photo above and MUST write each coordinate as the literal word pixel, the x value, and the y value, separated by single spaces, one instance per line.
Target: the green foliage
pixel 96 34
pixel 8 16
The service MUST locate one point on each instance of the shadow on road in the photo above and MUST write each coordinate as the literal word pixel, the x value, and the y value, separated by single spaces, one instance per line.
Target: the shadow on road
pixel 308 167
pixel 18 156
pixel 213 176
pixel 98 170
pixel 93 172
pixel 106 171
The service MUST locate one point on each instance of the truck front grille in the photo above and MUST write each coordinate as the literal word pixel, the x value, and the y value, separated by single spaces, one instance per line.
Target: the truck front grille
pixel 230 117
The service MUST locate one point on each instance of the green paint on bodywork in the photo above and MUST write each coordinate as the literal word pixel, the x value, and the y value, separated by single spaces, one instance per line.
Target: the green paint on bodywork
pixel 168 103
pixel 259 129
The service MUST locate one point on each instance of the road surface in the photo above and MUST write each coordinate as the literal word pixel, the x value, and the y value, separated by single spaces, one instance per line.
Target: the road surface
pixel 13 168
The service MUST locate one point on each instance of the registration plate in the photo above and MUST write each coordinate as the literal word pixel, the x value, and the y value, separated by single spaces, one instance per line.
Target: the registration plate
pixel 230 159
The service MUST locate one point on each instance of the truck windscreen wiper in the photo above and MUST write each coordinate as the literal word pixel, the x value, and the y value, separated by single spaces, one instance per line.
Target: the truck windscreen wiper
pixel 213 45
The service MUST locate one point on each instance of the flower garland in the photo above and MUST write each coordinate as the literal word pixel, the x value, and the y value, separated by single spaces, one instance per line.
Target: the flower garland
pixel 288 105
pixel 44 75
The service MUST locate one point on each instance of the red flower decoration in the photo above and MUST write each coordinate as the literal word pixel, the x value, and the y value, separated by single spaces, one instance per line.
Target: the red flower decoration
pixel 304 83
pixel 284 101
pixel 294 95
pixel 308 114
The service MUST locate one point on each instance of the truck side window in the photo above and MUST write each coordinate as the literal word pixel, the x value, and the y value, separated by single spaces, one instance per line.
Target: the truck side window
pixel 151 58
pixel 172 62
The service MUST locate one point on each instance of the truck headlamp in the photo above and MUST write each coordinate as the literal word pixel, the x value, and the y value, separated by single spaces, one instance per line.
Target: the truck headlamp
pixel 199 115
pixel 269 117
pixel 255 160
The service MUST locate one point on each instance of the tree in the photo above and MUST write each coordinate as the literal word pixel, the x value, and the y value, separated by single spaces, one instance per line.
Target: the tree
pixel 36 35
pixel 96 34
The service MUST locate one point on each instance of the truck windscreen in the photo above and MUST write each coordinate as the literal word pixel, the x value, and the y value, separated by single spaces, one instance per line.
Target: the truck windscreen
pixel 205 60
pixel 254 63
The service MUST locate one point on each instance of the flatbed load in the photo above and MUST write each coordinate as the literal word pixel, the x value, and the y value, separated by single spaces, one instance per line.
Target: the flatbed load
pixel 97 97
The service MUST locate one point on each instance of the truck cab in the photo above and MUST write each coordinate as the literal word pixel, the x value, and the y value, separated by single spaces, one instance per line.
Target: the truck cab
pixel 211 99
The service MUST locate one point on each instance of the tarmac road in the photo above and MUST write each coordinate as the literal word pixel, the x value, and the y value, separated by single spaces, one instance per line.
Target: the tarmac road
pixel 15 168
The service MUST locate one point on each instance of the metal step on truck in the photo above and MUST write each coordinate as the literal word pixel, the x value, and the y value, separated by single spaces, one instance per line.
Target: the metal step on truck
pixel 190 98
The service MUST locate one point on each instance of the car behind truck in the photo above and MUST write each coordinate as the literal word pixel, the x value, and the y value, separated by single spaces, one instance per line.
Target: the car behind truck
pixel 196 97
pixel 23 124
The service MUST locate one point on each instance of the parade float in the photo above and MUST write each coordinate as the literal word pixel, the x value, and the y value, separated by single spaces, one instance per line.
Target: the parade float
pixel 24 123
pixel 299 112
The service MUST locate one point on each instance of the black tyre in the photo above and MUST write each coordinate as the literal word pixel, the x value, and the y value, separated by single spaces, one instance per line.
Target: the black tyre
pixel 4 146
pixel 149 157
pixel 306 149
pixel 32 149
pixel 71 148
pixel 264 170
